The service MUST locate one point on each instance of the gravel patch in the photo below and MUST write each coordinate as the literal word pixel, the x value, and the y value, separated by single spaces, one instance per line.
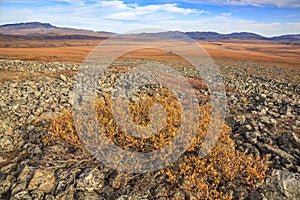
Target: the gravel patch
pixel 263 113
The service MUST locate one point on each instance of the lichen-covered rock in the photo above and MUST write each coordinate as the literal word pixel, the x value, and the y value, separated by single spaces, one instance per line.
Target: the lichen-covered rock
pixel 290 139
pixel 130 197
pixel 42 180
pixel 4 186
pixel 281 185
pixel 22 195
pixel 82 195
pixel 26 174
pixel 91 181
pixel 66 194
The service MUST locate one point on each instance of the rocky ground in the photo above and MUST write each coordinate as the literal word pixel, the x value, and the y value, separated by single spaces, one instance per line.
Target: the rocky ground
pixel 263 113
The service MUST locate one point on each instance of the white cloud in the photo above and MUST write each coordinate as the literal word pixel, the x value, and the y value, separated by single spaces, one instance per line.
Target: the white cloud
pixel 221 24
pixel 174 9
pixel 278 3
pixel 20 1
pixel 294 24
pixel 136 12
pixel 113 4
pixel 117 16
pixel 72 1
pixel 39 1
pixel 226 14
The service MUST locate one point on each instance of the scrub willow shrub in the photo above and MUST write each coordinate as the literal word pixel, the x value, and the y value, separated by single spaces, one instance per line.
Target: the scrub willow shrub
pixel 223 173
pixel 62 127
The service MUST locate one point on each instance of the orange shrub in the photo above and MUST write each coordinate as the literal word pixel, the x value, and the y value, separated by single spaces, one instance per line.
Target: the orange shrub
pixel 222 174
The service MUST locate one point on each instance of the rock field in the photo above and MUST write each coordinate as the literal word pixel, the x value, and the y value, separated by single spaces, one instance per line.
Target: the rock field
pixel 263 113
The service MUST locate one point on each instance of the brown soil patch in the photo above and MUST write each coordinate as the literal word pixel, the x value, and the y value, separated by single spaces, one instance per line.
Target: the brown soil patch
pixel 266 53
pixel 61 54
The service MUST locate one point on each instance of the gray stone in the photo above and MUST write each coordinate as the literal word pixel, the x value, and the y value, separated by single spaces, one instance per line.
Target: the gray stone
pixel 245 128
pixel 179 195
pixel 4 186
pixel 42 180
pixel 276 151
pixel 37 195
pixel 91 181
pixel 66 194
pixel 82 195
pixel 6 144
pixel 26 174
pixel 252 137
pixel 250 148
pixel 8 168
pixel 22 195
pixel 13 84
pixel 130 197
pixel 63 78
pixel 268 121
pixel 19 187
pixel 49 197
pixel 281 185
pixel 241 119
pixel 290 138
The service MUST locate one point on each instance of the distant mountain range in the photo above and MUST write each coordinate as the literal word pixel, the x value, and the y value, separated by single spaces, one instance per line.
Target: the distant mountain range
pixel 241 35
pixel 47 31
pixel 37 30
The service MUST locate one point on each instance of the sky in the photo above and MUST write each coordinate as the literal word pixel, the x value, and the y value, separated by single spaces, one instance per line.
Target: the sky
pixel 264 17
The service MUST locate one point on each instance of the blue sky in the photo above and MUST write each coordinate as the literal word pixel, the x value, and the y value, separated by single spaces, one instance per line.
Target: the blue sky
pixel 265 17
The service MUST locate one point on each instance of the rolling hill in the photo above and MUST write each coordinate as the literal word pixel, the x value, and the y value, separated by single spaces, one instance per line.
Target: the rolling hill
pixel 38 30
